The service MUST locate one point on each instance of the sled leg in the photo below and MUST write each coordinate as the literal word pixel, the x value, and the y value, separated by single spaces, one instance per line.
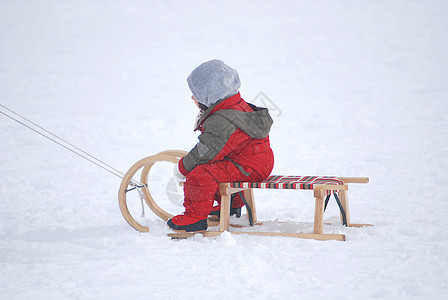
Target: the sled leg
pixel 225 212
pixel 319 211
pixel 249 195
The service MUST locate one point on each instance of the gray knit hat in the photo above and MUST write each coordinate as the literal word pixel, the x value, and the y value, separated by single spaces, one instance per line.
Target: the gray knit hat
pixel 213 81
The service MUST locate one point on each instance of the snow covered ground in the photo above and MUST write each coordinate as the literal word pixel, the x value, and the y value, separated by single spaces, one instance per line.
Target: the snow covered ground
pixel 362 89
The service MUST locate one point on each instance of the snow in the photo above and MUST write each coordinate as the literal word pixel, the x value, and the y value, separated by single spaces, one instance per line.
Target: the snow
pixel 362 89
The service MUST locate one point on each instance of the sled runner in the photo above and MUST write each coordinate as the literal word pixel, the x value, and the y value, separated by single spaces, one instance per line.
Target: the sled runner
pixel 323 188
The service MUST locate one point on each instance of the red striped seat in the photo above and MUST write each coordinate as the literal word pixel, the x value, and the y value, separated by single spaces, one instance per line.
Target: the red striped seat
pixel 289 182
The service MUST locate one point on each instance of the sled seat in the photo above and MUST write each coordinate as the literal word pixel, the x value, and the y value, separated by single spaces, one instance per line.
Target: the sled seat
pixel 322 186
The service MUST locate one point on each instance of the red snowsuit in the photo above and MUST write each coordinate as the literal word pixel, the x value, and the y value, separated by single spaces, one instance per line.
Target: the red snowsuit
pixel 233 146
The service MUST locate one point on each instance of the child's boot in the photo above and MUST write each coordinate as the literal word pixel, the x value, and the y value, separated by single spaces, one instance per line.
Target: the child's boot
pixel 188 222
pixel 235 207
pixel 196 212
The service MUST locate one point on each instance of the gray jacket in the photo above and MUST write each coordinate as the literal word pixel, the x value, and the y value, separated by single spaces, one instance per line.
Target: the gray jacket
pixel 217 128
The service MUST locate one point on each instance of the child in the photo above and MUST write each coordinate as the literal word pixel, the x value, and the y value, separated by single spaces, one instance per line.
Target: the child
pixel 233 144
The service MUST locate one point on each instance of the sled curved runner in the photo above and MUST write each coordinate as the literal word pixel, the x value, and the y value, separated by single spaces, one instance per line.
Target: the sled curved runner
pixel 128 183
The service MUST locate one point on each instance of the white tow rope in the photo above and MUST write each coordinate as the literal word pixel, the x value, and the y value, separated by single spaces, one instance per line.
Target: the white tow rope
pixel 63 143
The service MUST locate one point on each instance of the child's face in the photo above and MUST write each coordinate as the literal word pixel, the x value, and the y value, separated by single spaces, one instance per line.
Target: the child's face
pixel 195 101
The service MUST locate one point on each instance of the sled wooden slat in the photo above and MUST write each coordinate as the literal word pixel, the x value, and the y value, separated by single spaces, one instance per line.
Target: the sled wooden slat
pixel 354 179
pixel 321 237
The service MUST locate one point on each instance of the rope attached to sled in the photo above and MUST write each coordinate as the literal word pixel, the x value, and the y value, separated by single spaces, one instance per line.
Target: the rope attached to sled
pixel 63 143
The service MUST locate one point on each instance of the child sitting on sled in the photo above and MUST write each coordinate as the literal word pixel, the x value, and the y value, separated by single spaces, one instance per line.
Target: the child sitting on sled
pixel 233 144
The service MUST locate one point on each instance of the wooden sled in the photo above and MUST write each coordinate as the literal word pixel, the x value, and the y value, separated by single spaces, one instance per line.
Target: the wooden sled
pixel 322 186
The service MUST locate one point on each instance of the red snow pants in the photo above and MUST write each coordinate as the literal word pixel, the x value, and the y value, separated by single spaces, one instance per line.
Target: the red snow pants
pixel 202 183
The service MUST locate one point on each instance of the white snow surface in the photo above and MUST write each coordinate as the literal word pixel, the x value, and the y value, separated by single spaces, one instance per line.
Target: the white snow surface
pixel 362 89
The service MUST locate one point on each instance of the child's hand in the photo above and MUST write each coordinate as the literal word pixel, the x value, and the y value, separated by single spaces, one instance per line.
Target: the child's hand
pixel 177 174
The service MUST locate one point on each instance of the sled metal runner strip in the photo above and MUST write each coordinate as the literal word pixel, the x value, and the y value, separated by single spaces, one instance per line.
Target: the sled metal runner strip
pixel 341 208
pixel 248 208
